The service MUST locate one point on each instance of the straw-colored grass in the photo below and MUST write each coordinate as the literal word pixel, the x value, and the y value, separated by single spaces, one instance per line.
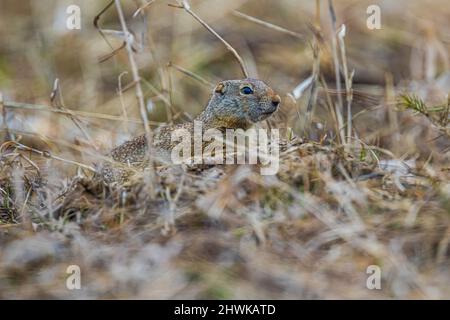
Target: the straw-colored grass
pixel 364 157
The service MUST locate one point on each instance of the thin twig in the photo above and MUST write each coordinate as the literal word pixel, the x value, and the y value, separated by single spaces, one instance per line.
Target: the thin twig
pixel 102 34
pixel 79 113
pixel 316 70
pixel 331 106
pixel 46 154
pixel 184 4
pixel 142 8
pixel 61 106
pixel 139 96
pixel 169 109
pixel 348 81
pixel 191 74
pixel 122 104
pixel 337 73
pixel 3 114
pixel 269 25
pixel 85 151
pixel 158 93
pixel 25 219
pixel 111 54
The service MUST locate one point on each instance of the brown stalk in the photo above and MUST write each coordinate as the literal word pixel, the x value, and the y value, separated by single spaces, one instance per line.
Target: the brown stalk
pixel 191 74
pixel 79 113
pixel 3 114
pixel 61 106
pixel 268 25
pixel 339 105
pixel 46 154
pixel 139 95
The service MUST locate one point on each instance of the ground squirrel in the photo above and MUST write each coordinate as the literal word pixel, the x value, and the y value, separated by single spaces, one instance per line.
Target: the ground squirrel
pixel 233 104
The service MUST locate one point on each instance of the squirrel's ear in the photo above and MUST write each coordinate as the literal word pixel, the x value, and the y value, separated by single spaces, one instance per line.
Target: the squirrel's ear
pixel 220 88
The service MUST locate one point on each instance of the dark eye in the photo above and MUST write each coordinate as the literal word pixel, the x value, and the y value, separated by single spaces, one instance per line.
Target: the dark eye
pixel 247 90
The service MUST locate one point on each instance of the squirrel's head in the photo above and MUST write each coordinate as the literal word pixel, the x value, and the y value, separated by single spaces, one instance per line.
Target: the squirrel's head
pixel 240 103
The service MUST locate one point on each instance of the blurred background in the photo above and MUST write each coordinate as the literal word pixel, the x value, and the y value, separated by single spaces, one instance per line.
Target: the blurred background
pixel 410 51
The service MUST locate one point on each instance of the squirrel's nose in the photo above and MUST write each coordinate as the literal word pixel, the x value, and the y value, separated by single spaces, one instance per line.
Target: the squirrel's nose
pixel 276 100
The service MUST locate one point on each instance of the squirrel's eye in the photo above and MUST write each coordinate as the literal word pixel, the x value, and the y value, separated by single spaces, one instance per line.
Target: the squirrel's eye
pixel 247 90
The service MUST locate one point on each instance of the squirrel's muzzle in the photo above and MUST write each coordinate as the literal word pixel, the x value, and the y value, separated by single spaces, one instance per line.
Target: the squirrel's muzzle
pixel 276 100
pixel 272 106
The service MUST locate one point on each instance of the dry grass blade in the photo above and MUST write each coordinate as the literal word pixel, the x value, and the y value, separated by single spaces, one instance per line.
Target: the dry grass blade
pixel 3 114
pixel 142 8
pixel 82 114
pixel 139 96
pixel 61 106
pixel 191 74
pixel 100 30
pixel 269 25
pixel 348 77
pixel 122 104
pixel 184 4
pixel 111 54
pixel 361 175
pixel 339 105
pixel 45 154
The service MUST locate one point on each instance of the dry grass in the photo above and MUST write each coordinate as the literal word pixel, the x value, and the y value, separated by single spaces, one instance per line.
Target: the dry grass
pixel 364 169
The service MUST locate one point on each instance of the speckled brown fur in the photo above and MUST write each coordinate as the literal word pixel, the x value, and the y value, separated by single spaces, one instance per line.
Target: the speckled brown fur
pixel 228 107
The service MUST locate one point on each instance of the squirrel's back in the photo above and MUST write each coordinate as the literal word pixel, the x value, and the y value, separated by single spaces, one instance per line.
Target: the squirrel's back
pixel 234 104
